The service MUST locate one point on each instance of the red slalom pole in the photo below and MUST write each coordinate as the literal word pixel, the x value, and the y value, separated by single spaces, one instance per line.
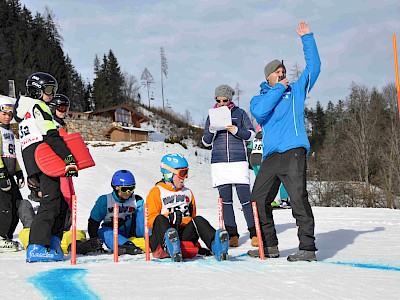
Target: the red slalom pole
pixel 146 231
pixel 258 230
pixel 115 227
pixel 73 228
pixel 396 70
pixel 220 214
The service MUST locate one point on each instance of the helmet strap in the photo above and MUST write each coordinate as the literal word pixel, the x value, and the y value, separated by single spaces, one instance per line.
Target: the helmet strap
pixel 170 179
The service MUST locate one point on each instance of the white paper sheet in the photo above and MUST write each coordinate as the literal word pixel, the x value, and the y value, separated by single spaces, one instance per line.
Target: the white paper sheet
pixel 220 117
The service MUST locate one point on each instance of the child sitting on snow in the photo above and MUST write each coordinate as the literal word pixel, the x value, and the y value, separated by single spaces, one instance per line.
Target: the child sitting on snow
pixel 123 184
pixel 172 216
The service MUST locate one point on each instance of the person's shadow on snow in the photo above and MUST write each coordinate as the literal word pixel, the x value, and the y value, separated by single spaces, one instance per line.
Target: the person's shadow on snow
pixel 331 242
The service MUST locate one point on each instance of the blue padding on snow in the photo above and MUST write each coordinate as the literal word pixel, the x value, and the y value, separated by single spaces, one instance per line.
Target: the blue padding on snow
pixel 367 266
pixel 63 284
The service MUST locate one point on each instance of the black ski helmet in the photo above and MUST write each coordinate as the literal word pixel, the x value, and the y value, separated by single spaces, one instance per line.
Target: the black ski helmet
pixel 39 83
pixel 58 101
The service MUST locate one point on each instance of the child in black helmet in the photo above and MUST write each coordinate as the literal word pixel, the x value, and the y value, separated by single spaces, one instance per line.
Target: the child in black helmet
pixel 37 126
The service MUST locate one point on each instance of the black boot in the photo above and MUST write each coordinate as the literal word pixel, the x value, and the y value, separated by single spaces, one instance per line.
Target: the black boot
pixel 91 245
pixel 131 249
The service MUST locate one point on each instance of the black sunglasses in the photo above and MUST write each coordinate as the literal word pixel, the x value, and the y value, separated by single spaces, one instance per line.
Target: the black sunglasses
pixel 219 101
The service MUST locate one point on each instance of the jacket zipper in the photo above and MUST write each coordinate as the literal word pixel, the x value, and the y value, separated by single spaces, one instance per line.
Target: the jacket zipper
pixel 227 144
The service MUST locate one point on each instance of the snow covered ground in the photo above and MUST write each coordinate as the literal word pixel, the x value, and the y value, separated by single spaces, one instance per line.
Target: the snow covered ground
pixel 358 257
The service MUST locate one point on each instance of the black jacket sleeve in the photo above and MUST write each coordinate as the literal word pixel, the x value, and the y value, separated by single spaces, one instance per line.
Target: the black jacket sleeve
pixel 93 227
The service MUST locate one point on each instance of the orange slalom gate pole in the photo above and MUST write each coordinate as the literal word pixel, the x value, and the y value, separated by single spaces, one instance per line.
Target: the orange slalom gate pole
pixel 220 214
pixel 73 243
pixel 115 227
pixel 146 231
pixel 396 69
pixel 258 230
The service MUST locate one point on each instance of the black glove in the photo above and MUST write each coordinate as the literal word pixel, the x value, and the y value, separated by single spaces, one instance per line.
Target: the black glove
pixel 20 179
pixel 5 183
pixel 33 183
pixel 175 218
pixel 71 169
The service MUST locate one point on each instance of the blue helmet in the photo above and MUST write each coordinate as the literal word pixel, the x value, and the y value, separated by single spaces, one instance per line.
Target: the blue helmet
pixel 174 161
pixel 123 178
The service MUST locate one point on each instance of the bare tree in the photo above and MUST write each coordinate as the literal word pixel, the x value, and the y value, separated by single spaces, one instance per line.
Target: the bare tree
pixel 147 80
pixel 238 92
pixel 164 70
pixel 295 72
pixel 130 88
pixel 188 117
pixel 361 132
pixel 390 152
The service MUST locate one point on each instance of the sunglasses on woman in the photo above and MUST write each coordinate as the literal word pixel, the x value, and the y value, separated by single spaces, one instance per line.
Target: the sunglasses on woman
pixel 225 101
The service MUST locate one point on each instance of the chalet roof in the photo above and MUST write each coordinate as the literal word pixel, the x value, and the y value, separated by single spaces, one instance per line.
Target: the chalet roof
pixel 128 128
pixel 112 109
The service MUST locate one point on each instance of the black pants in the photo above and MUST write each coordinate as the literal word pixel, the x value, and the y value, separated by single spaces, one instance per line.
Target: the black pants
pixel 197 228
pixel 289 168
pixel 50 217
pixel 9 203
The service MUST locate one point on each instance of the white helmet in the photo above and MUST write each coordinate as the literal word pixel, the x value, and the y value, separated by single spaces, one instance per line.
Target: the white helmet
pixel 6 105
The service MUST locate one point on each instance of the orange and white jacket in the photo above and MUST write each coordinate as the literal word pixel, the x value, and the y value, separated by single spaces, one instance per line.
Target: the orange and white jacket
pixel 164 199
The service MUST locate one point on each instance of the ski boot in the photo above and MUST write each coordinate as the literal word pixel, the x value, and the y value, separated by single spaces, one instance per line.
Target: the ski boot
pixel 172 245
pixel 55 243
pixel 7 245
pixel 220 245
pixel 91 245
pixel 41 253
pixel 129 248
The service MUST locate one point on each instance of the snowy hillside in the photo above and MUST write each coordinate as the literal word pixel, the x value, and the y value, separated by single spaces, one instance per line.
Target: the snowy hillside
pixel 358 255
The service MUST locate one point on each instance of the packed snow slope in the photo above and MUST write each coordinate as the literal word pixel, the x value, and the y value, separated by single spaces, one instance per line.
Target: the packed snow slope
pixel 358 257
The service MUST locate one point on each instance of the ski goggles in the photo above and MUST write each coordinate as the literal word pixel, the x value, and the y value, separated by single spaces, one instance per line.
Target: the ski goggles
pixel 181 173
pixel 50 90
pixel 8 108
pixel 127 189
pixel 63 108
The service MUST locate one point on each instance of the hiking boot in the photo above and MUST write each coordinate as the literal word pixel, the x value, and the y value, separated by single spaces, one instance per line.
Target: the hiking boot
pixel 7 245
pixel 303 255
pixel 234 241
pixel 254 241
pixel 269 252
pixel 129 249
pixel 220 245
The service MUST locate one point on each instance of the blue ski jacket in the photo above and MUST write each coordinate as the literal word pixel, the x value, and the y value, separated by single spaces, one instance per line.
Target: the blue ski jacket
pixel 280 112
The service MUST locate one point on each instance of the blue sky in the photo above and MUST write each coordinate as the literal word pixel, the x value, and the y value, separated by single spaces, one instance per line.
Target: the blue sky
pixel 208 43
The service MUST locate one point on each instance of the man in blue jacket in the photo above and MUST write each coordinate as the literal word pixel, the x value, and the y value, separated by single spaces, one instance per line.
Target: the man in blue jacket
pixel 279 109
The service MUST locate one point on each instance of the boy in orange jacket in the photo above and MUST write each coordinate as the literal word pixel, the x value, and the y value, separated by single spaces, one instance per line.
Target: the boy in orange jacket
pixel 172 215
